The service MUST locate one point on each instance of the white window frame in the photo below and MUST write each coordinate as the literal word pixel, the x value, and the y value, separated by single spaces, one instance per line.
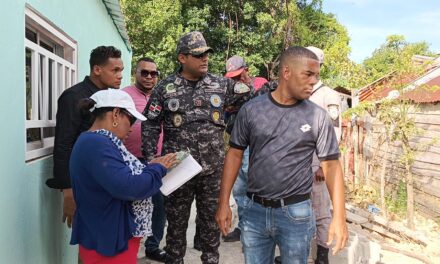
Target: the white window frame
pixel 64 72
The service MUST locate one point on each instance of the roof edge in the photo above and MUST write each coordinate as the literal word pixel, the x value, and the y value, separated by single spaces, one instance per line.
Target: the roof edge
pixel 115 12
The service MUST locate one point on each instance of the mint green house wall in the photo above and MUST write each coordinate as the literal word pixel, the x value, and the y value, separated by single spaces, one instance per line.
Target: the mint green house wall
pixel 31 230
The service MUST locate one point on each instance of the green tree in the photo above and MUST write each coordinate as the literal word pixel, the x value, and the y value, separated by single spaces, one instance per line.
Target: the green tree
pixel 394 55
pixel 153 28
pixel 258 30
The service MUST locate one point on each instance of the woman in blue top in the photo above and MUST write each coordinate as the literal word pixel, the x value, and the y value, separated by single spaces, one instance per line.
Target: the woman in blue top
pixel 111 187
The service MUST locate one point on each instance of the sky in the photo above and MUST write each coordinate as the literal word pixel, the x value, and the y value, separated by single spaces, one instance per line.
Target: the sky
pixel 369 22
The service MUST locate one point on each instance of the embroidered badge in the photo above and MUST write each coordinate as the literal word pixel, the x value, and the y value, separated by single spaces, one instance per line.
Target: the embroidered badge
pixel 177 120
pixel 240 88
pixel 154 110
pixel 173 104
pixel 170 88
pixel 215 115
pixel 177 81
pixel 198 102
pixel 169 95
pixel 215 100
pixel 333 111
pixel 212 90
pixel 305 128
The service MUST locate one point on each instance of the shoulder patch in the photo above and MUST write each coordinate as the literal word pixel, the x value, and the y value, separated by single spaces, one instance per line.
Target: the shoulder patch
pixel 154 110
pixel 333 111
pixel 240 88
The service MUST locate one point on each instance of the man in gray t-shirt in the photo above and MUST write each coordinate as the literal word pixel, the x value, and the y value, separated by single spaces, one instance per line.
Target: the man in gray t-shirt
pixel 282 140
pixel 283 130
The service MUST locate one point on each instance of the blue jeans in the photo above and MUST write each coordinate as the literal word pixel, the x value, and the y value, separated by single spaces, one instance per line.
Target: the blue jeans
pixel 290 227
pixel 158 223
pixel 240 186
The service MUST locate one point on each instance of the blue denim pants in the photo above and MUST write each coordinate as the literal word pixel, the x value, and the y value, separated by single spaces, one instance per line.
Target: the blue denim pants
pixel 240 186
pixel 291 227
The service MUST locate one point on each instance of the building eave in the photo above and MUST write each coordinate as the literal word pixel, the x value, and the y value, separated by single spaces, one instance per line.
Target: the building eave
pixel 114 10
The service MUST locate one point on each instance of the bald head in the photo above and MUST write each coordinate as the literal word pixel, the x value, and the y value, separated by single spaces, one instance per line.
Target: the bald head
pixel 295 54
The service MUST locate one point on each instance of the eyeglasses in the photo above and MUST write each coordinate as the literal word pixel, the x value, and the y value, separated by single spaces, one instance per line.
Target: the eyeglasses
pixel 145 73
pixel 199 56
pixel 131 118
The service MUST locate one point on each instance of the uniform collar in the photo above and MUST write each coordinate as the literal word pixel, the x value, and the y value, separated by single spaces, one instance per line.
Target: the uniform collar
pixel 179 78
pixel 318 85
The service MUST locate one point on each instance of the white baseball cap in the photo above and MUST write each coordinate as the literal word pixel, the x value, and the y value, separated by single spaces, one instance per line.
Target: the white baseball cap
pixel 116 98
pixel 318 52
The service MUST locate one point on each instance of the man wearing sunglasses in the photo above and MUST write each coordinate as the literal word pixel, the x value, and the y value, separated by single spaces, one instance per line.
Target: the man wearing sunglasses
pixel 146 76
pixel 190 105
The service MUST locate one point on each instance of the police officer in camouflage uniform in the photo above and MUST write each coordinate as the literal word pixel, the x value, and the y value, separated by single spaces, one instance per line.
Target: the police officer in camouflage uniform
pixel 330 100
pixel 190 105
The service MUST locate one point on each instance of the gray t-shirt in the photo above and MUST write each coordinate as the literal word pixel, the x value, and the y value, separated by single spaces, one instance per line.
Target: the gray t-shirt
pixel 282 140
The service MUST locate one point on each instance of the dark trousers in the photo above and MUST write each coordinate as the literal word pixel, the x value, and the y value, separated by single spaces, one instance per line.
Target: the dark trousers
pixel 204 188
pixel 157 223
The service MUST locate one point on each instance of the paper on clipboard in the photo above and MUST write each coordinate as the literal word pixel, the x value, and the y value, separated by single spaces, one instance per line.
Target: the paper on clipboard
pixel 179 175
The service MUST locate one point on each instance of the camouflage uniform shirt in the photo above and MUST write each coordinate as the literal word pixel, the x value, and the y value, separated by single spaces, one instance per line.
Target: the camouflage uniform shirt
pixel 192 116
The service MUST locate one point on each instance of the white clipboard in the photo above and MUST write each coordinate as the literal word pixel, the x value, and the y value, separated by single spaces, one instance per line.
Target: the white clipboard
pixel 180 174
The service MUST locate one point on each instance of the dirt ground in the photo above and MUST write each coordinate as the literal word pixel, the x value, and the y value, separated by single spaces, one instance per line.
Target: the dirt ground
pixel 231 253
pixel 427 228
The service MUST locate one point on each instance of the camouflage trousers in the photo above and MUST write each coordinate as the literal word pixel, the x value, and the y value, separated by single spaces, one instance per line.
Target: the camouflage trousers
pixel 204 188
pixel 321 205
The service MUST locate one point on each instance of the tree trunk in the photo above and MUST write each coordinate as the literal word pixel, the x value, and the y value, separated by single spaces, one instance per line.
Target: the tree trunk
pixel 410 197
pixel 288 35
pixel 356 153
pixel 348 138
pixel 382 179
pixel 229 38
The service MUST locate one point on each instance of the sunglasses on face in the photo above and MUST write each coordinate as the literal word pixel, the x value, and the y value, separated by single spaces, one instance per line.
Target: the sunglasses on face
pixel 198 56
pixel 131 118
pixel 145 73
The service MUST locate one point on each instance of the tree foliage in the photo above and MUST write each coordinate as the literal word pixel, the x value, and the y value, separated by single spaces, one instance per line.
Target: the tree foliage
pixel 394 55
pixel 258 30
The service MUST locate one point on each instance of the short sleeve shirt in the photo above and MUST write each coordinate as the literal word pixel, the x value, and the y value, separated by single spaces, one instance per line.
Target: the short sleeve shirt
pixel 282 140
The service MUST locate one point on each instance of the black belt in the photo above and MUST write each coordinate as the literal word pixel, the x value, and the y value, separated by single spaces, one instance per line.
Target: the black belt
pixel 276 203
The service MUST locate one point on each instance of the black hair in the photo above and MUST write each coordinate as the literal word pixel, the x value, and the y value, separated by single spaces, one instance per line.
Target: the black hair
pixel 146 59
pixel 295 52
pixel 101 54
